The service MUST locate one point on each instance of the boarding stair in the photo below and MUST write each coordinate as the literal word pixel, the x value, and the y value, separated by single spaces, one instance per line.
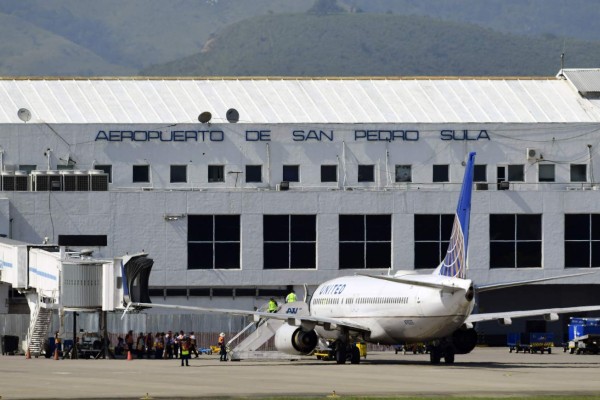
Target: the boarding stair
pixel 39 325
pixel 261 332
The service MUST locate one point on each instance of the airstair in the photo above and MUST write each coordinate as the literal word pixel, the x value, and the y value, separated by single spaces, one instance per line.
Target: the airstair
pixel 39 325
pixel 261 332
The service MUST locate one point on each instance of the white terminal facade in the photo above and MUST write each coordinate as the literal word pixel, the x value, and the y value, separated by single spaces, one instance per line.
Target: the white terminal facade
pixel 317 178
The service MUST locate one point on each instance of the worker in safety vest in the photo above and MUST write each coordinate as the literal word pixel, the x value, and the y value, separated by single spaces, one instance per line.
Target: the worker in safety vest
pixel 272 305
pixel 185 350
pixel 291 297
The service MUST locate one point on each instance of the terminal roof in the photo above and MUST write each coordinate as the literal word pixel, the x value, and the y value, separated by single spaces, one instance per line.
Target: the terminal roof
pixel 300 100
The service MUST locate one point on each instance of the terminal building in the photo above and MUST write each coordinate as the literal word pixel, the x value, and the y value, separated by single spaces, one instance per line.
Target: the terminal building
pixel 240 189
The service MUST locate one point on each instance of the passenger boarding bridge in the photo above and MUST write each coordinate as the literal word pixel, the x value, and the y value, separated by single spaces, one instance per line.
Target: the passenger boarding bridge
pixel 52 278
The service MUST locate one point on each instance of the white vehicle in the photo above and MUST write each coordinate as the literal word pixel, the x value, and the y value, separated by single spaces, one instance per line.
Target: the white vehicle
pixel 401 308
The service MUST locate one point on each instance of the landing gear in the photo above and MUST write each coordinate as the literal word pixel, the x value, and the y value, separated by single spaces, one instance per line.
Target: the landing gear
pixel 439 351
pixel 346 352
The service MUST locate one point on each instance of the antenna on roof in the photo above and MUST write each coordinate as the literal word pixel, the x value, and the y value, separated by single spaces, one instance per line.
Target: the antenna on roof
pixel 232 115
pixel 205 117
pixel 562 64
pixel 24 114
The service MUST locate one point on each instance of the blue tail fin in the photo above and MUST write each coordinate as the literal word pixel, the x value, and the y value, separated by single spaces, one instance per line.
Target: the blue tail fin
pixel 455 262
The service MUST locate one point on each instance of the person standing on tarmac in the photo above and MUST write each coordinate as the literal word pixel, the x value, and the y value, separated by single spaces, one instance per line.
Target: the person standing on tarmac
pixel 291 297
pixel 272 305
pixel 193 347
pixel 184 345
pixel 223 347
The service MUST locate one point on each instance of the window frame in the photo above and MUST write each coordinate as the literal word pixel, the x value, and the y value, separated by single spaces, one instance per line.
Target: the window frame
pixel 366 173
pixel 591 241
pixel 217 222
pixel 400 167
pixel 367 240
pixel 290 173
pixel 549 167
pixel 329 173
pixel 572 171
pixel 440 173
pixel 173 169
pixel 248 173
pixel 139 168
pixel 515 243
pixel 444 221
pixel 296 247
pixel 216 173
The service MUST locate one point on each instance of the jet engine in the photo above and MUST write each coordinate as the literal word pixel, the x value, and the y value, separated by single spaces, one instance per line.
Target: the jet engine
pixel 464 340
pixel 293 340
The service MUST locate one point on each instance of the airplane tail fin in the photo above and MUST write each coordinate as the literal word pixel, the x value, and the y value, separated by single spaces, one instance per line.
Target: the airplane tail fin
pixel 455 262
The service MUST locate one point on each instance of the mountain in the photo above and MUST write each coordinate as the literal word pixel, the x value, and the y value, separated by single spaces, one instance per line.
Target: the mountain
pixel 28 50
pixel 116 37
pixel 126 35
pixel 374 44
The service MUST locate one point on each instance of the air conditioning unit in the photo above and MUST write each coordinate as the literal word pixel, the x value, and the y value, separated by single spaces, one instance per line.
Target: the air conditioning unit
pixel 284 185
pixel 481 186
pixel 532 154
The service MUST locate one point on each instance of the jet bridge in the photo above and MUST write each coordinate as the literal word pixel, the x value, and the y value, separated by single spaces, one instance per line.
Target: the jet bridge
pixel 53 278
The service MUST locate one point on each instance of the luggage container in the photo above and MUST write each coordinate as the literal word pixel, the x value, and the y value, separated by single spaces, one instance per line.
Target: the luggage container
pixel 584 336
pixel 10 345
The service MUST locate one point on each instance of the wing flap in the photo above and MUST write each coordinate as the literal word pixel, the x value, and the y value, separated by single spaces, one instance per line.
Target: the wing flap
pixel 496 286
pixel 528 313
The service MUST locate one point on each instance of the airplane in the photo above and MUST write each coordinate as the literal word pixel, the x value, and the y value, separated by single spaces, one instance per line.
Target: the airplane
pixel 389 309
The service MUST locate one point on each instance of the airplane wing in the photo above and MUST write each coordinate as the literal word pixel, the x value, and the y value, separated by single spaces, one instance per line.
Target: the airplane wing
pixel 548 313
pixel 417 280
pixel 495 286
pixel 291 312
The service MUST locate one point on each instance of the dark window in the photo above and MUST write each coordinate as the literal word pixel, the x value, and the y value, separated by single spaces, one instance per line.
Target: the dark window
pixel 216 173
pixel 141 173
pixel 516 173
pixel 403 173
pixel 440 173
pixel 365 241
pixel 291 173
pixel 328 173
pixel 27 168
pixel 290 241
pixel 82 240
pixel 178 173
pixel 546 173
pixel 515 241
pixel 480 173
pixel 366 173
pixel 578 173
pixel 253 173
pixel 582 240
pixel 213 241
pixel 107 170
pixel 432 236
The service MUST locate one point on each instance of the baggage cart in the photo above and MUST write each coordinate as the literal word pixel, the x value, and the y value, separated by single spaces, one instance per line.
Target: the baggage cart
pixel 541 342
pixel 517 342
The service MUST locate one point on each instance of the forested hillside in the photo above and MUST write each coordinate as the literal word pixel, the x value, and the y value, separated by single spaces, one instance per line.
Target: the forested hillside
pixel 374 44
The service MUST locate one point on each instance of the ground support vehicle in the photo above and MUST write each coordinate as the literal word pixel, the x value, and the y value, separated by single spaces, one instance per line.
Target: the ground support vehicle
pixel 541 342
pixel 329 353
pixel 89 346
pixel 584 336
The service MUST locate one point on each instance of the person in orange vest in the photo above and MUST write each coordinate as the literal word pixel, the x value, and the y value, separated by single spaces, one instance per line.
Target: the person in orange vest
pixel 223 347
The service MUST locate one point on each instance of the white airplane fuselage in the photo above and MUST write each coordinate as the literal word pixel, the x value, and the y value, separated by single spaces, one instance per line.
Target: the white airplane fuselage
pixel 394 312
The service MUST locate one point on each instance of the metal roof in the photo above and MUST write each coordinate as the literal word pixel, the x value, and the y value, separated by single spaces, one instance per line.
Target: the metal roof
pixel 586 81
pixel 296 100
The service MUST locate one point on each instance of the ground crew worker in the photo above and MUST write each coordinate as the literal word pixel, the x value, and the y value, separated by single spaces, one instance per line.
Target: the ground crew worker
pixel 185 351
pixel 291 297
pixel 222 347
pixel 272 305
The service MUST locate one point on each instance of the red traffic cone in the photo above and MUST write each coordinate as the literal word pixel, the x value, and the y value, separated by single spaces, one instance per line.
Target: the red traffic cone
pixel 27 354
pixel 129 357
pixel 56 354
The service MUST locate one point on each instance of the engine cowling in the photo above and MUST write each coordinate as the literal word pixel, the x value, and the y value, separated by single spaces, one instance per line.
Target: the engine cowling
pixel 464 340
pixel 293 340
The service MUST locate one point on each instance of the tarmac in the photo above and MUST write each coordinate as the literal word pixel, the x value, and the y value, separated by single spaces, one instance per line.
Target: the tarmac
pixel 484 372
